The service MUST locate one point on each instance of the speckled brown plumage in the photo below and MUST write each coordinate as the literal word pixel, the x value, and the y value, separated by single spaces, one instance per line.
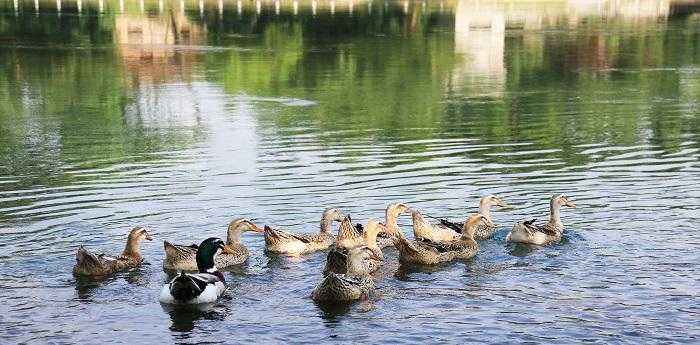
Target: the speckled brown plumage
pixel 90 264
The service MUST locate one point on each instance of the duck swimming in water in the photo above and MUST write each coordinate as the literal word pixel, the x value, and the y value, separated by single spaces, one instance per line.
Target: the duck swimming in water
pixel 337 259
pixel 183 258
pixel 390 229
pixel 482 231
pixel 426 231
pixel 552 231
pixel 90 264
pixel 282 242
pixel 353 285
pixel 430 253
pixel 203 287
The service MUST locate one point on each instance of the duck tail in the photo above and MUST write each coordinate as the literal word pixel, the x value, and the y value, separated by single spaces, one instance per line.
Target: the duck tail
pixel 270 235
pixel 404 246
pixel 83 256
pixel 183 288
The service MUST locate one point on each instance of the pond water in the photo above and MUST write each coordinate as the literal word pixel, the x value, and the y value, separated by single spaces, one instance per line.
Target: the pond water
pixel 182 115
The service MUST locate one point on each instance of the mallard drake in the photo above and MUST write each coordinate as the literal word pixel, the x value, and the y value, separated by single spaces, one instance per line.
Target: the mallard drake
pixel 183 258
pixel 390 228
pixel 203 287
pixel 282 242
pixel 337 259
pixel 528 232
pixel 90 264
pixel 353 285
pixel 430 253
pixel 482 231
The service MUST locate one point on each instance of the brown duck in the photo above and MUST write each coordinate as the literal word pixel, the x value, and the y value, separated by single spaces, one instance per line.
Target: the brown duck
pixel 90 264
pixel 183 258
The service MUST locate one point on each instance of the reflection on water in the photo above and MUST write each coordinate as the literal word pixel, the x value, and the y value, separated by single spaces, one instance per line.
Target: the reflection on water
pixel 181 115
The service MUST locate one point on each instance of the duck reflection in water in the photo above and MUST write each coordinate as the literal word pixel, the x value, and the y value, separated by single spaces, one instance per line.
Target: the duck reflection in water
pixel 404 270
pixel 185 317
pixel 331 311
pixel 85 286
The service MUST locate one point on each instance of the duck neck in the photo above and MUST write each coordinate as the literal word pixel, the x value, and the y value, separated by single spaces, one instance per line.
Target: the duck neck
pixel 205 262
pixel 233 236
pixel 133 248
pixel 468 232
pixel 485 209
pixel 554 217
pixel 370 238
pixel 391 225
pixel 326 223
pixel 354 266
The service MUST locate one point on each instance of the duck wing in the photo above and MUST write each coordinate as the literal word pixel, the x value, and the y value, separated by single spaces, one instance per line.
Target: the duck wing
pixel 456 226
pixel 440 247
pixel 548 229
pixel 272 235
pixel 177 250
pixel 88 260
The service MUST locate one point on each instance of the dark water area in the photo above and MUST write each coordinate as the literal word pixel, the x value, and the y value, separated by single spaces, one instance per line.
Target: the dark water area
pixel 182 115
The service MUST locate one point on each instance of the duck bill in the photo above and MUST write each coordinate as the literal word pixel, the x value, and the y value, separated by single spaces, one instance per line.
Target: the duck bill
pixel 256 228
pixel 503 204
pixel 149 235
pixel 571 204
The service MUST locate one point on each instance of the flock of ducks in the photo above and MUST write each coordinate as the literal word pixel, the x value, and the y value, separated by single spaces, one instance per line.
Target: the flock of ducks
pixel 354 254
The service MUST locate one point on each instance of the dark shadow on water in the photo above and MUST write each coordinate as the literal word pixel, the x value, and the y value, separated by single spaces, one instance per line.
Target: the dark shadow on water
pixel 331 310
pixel 522 249
pixel 86 286
pixel 184 317
pixel 404 270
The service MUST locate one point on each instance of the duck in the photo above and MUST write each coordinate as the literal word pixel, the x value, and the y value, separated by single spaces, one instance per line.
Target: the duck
pixel 199 288
pixel 337 258
pixel 282 242
pixel 430 253
pixel 183 258
pixel 349 235
pixel 90 264
pixel 530 233
pixel 426 231
pixel 353 285
pixel 485 231
pixel 390 228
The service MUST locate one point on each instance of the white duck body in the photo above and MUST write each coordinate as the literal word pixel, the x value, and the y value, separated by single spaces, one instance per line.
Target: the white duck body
pixel 214 288
pixel 520 233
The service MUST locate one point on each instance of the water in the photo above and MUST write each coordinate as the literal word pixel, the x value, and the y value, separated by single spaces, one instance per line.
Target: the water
pixel 114 113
